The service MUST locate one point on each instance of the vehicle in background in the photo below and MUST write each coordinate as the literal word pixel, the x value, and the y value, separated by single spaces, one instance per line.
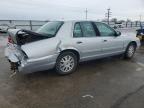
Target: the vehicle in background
pixel 2 31
pixel 118 25
pixel 4 28
pixel 63 44
pixel 140 34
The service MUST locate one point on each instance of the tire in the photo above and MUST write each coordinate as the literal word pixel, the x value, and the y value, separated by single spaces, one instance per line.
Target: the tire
pixel 66 63
pixel 130 51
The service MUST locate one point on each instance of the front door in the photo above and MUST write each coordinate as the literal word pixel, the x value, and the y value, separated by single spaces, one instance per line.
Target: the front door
pixel 110 42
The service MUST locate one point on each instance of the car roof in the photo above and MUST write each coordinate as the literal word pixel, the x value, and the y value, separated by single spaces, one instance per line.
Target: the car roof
pixel 78 21
pixel 74 21
pixel 81 21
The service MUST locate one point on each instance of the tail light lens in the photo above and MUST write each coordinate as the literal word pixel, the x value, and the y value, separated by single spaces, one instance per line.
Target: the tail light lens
pixel 10 39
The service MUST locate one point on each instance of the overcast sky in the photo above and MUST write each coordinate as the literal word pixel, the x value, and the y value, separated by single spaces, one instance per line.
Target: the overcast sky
pixel 70 9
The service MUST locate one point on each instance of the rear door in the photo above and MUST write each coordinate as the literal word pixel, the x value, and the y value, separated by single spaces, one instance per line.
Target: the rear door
pixel 110 42
pixel 87 41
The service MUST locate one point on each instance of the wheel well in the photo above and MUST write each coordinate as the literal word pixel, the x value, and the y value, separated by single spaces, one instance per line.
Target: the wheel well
pixel 133 42
pixel 73 51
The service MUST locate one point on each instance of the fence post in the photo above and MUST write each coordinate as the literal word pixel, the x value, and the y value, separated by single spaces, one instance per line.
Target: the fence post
pixel 126 24
pixel 30 24
pixel 136 23
pixel 10 21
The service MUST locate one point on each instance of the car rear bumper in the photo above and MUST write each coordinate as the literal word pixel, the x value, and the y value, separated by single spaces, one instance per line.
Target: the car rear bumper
pixel 29 65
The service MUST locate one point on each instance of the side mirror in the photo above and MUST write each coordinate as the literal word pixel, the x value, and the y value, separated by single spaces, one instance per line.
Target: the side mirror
pixel 118 33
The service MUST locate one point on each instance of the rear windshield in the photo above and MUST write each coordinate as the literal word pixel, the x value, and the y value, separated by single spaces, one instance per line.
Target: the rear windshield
pixel 50 29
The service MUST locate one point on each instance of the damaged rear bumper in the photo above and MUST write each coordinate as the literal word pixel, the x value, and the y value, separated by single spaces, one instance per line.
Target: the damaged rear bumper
pixel 37 65
pixel 21 65
pixel 10 54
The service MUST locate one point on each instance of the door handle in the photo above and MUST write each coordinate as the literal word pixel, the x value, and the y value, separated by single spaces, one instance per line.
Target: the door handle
pixel 79 42
pixel 104 40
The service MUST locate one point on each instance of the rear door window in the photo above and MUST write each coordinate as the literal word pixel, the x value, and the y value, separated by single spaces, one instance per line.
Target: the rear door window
pixel 87 29
pixel 77 30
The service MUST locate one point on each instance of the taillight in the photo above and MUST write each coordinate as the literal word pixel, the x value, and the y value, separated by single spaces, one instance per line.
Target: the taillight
pixel 10 39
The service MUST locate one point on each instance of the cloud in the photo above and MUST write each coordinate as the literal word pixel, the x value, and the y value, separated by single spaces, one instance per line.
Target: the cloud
pixel 69 9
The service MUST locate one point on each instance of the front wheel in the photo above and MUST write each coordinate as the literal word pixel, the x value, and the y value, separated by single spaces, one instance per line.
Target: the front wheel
pixel 66 63
pixel 130 51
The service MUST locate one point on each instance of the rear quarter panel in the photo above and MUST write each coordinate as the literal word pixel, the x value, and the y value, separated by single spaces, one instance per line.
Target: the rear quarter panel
pixel 41 48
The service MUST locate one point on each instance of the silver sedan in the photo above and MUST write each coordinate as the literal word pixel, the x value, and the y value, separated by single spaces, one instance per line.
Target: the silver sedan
pixel 63 44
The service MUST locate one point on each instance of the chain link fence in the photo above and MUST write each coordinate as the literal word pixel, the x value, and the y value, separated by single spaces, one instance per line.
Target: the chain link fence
pixel 21 24
pixel 35 24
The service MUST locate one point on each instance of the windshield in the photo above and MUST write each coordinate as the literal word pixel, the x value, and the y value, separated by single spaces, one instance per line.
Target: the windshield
pixel 50 29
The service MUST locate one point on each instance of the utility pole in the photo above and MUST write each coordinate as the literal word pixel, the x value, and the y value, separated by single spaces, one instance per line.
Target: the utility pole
pixel 86 12
pixel 108 15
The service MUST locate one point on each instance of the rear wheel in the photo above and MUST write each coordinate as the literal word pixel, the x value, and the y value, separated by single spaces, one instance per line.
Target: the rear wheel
pixel 66 63
pixel 130 51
